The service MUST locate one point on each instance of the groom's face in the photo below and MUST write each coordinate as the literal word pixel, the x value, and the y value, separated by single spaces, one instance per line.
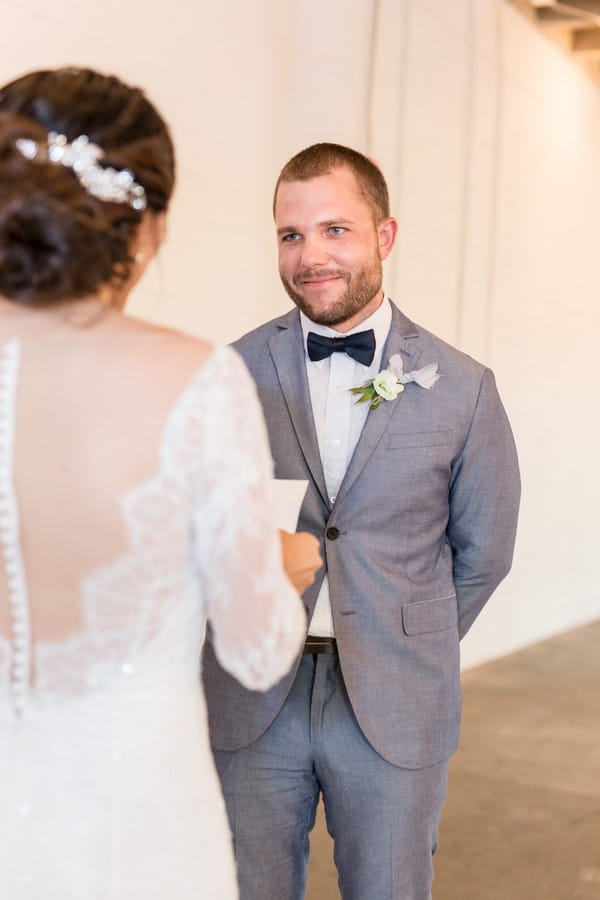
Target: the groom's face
pixel 330 248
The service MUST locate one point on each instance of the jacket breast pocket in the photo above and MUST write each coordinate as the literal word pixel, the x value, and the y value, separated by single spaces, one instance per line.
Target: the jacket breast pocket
pixel 430 615
pixel 406 440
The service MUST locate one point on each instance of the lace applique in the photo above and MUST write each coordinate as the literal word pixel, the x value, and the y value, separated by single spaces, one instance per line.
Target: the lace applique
pixel 217 452
pixel 256 616
pixel 140 603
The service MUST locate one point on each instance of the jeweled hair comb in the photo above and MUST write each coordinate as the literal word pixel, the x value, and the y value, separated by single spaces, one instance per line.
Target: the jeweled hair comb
pixel 81 156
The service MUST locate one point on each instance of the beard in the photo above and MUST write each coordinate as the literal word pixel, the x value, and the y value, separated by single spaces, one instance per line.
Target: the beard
pixel 361 286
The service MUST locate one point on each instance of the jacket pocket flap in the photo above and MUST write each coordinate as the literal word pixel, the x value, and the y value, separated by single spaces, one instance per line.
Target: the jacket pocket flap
pixel 430 615
pixel 404 440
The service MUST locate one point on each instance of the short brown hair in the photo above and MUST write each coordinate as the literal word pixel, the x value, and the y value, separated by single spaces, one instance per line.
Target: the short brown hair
pixel 321 159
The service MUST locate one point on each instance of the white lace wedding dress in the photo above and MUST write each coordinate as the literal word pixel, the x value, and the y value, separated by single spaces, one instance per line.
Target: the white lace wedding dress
pixel 107 786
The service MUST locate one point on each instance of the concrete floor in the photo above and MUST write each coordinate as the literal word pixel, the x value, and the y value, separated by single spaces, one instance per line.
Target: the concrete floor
pixel 522 818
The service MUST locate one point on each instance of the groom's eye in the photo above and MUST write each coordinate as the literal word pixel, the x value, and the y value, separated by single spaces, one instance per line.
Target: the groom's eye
pixel 290 236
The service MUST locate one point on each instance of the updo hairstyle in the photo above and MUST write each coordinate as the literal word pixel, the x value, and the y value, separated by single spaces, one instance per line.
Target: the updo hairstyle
pixel 57 241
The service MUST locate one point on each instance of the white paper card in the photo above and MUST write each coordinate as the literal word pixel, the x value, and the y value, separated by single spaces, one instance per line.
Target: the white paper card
pixel 288 495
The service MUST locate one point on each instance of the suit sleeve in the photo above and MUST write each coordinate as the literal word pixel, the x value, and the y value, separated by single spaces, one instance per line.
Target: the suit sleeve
pixel 484 502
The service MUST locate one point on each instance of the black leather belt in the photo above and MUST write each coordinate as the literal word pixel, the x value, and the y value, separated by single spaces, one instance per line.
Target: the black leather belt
pixel 320 645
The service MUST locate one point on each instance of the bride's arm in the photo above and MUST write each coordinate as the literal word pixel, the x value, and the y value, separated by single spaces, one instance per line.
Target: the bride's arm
pixel 258 621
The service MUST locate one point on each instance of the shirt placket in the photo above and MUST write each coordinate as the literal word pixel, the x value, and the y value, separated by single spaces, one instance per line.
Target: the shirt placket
pixel 337 424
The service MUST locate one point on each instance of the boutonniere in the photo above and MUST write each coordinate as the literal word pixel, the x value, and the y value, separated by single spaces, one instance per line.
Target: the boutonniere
pixel 390 382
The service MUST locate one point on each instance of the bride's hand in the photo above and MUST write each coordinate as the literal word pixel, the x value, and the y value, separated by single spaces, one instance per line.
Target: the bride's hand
pixel 301 558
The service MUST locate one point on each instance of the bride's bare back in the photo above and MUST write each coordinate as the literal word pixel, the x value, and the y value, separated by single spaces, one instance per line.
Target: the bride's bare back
pixel 95 390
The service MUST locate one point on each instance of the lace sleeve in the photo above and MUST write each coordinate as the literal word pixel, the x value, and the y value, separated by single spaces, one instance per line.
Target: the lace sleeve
pixel 257 618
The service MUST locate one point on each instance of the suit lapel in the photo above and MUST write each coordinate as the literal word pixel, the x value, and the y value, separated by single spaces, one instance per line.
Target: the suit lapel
pixel 401 339
pixel 287 351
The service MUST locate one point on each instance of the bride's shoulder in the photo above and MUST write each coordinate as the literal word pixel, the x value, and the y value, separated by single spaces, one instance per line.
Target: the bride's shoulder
pixel 186 353
pixel 169 349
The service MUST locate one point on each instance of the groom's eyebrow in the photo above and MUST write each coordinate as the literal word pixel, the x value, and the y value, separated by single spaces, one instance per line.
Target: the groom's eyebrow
pixel 339 220
pixel 287 229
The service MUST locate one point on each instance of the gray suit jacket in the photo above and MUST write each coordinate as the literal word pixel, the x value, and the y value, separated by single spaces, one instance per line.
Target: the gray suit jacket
pixel 426 519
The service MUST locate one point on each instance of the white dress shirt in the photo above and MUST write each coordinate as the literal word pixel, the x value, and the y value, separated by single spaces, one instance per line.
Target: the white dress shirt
pixel 339 419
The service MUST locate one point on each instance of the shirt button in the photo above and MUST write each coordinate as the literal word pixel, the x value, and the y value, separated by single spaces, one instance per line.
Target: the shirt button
pixel 332 499
pixel 336 442
pixel 333 533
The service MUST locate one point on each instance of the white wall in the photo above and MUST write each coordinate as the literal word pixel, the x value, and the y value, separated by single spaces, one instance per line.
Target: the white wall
pixel 490 140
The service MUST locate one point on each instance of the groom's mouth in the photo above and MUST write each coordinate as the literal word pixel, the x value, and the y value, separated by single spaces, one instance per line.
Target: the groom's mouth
pixel 319 280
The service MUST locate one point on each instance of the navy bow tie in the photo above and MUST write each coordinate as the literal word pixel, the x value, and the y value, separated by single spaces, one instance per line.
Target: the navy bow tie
pixel 360 347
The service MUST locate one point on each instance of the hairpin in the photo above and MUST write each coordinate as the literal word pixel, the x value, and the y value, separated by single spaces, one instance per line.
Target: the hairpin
pixel 81 156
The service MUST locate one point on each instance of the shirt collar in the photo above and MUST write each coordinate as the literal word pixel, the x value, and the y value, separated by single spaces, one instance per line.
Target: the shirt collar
pixel 379 321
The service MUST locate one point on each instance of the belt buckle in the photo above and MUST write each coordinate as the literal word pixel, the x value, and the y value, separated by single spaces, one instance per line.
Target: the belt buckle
pixel 315 644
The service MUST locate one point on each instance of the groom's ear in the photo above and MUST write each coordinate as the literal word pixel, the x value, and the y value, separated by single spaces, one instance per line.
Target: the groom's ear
pixel 386 233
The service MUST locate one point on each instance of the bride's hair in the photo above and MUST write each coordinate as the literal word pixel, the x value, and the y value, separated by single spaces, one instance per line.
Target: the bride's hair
pixel 57 240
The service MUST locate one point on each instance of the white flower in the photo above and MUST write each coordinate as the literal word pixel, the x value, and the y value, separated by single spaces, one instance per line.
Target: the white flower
pixel 386 384
pixel 390 382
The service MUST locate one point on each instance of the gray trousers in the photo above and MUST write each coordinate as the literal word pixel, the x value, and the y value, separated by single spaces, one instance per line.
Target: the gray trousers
pixel 383 819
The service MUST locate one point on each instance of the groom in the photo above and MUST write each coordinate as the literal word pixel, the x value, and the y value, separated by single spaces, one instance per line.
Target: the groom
pixel 414 498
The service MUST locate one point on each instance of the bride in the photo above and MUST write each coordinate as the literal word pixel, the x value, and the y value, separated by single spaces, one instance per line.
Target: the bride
pixel 134 506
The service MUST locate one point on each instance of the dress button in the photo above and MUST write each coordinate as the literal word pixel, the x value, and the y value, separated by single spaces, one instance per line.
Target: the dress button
pixel 19 642
pixel 333 533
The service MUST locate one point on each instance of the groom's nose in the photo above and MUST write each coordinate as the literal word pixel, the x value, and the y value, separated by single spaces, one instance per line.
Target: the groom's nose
pixel 314 252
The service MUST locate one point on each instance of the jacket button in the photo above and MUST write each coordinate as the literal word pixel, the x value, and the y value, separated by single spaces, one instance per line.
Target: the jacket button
pixel 333 533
